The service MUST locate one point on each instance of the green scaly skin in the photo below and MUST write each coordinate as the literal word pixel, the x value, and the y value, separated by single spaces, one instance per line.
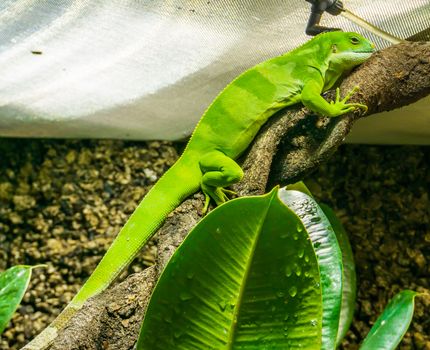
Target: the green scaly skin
pixel 225 130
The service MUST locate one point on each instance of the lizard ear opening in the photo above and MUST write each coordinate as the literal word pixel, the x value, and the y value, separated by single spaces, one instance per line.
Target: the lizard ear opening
pixel 334 48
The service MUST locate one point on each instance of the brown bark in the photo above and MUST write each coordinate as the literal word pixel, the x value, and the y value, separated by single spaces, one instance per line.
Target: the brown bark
pixel 290 145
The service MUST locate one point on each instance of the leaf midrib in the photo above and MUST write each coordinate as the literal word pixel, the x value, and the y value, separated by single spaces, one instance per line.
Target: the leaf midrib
pixel 233 327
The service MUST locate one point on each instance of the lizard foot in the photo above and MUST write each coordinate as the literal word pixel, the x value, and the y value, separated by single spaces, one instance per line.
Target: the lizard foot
pixel 218 194
pixel 342 107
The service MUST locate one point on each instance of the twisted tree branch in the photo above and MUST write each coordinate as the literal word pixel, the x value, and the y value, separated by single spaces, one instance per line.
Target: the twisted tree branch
pixel 290 145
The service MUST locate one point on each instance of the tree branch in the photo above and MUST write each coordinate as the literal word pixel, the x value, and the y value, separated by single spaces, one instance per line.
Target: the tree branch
pixel 290 145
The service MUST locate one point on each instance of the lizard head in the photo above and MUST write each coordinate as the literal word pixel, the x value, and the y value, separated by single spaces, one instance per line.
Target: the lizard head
pixel 349 49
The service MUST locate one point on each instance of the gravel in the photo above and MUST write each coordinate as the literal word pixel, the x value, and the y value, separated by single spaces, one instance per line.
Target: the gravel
pixel 63 201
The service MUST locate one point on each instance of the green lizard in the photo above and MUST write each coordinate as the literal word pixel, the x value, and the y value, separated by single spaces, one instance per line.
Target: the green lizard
pixel 225 130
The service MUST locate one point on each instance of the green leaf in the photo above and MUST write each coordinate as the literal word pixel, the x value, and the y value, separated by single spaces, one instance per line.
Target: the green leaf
pixel 13 283
pixel 329 259
pixel 246 277
pixel 391 326
pixel 349 280
pixel 299 186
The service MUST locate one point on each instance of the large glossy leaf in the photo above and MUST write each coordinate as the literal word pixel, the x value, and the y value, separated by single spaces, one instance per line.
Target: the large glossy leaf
pixel 349 279
pixel 391 326
pixel 246 277
pixel 13 283
pixel 329 258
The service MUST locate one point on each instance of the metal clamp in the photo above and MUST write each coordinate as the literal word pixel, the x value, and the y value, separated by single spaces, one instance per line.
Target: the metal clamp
pixel 333 7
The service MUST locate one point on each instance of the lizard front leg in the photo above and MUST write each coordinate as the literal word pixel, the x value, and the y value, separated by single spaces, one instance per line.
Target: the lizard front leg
pixel 312 99
pixel 219 171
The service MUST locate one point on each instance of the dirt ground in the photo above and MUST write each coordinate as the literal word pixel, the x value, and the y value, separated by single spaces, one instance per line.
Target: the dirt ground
pixel 62 202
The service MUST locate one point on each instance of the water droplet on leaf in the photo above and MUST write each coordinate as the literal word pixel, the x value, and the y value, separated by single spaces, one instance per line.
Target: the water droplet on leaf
pixel 292 291
pixel 222 305
pixel 177 334
pixel 184 296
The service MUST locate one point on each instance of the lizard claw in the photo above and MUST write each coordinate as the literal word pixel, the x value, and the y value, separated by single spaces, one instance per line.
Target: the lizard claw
pixel 206 206
pixel 229 192
pixel 218 194
pixel 359 105
pixel 350 93
pixel 341 105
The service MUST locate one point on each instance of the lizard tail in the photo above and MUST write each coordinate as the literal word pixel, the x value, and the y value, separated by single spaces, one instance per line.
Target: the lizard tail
pixel 179 182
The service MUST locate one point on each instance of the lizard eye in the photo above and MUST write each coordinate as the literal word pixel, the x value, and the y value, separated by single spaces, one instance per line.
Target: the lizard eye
pixel 354 40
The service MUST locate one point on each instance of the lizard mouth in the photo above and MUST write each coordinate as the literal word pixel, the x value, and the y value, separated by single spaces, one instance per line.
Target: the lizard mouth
pixel 364 53
pixel 356 57
pixel 372 50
